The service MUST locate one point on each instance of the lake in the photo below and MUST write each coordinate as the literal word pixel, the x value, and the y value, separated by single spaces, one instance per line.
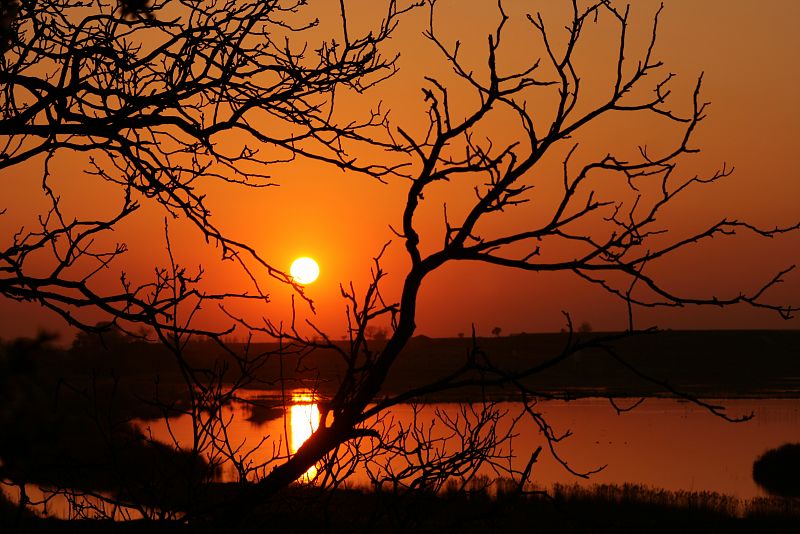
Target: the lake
pixel 662 443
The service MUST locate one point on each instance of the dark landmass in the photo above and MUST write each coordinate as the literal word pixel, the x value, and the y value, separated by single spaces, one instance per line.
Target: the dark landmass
pixel 704 363
pixel 714 364
pixel 710 364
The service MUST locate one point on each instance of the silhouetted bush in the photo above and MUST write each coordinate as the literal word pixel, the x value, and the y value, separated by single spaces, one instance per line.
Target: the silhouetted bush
pixel 778 470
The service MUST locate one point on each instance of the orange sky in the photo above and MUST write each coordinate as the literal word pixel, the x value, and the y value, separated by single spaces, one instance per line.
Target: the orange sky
pixel 748 52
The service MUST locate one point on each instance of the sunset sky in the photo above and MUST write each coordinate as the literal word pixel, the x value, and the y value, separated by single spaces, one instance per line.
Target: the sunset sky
pixel 748 52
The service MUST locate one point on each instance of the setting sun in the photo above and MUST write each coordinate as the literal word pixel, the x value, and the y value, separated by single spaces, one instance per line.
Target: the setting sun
pixel 304 270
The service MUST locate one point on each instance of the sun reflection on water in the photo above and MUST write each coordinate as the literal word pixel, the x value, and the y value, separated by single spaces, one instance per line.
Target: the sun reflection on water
pixel 303 420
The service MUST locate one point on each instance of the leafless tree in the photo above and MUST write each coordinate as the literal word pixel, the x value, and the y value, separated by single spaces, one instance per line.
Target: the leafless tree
pixel 147 96
pixel 604 227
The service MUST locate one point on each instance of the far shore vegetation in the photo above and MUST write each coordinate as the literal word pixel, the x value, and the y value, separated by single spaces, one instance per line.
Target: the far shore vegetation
pixel 709 364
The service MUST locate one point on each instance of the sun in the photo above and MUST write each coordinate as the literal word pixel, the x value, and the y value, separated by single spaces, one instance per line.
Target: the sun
pixel 304 270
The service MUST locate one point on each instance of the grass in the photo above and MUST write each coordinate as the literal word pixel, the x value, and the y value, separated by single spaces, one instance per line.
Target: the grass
pixel 567 509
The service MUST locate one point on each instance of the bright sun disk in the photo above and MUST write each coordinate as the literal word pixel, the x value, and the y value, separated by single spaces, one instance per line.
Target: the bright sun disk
pixel 304 270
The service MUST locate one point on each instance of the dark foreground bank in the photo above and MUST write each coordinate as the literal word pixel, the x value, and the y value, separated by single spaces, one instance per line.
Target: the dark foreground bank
pixel 566 509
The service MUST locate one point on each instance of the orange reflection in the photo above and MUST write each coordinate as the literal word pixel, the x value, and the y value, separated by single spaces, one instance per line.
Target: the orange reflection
pixel 303 420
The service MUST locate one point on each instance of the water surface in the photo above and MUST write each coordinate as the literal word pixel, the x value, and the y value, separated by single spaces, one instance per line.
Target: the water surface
pixel 662 443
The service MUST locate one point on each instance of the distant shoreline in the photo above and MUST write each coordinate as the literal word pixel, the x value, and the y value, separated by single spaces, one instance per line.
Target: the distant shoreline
pixel 708 364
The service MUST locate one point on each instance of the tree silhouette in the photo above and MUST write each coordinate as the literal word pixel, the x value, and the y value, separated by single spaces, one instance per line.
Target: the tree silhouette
pixel 149 99
pixel 149 96
pixel 609 235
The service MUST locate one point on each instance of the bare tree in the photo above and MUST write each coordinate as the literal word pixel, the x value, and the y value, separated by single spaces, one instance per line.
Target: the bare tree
pixel 219 64
pixel 604 227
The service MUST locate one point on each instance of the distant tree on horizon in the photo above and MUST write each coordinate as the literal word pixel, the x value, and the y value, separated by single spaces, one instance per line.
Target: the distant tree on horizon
pixel 377 333
pixel 104 335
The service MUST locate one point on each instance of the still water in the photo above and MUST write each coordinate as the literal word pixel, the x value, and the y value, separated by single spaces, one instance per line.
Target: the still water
pixel 662 443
